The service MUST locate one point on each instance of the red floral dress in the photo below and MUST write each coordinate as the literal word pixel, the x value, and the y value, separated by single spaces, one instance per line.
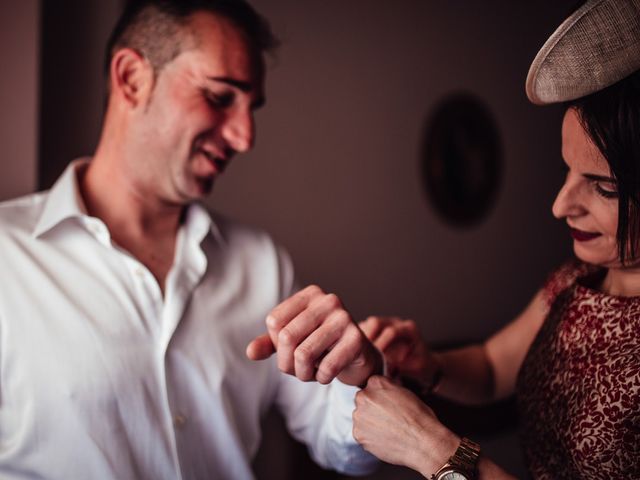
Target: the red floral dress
pixel 579 386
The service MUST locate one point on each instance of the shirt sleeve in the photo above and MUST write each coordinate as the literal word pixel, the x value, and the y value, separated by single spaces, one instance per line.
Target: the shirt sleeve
pixel 320 415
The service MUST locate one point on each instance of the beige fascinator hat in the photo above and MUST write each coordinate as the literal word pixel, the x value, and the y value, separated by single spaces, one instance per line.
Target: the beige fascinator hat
pixel 597 46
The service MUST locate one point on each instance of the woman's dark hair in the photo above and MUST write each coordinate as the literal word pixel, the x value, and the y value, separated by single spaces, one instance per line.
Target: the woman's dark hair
pixel 156 28
pixel 611 117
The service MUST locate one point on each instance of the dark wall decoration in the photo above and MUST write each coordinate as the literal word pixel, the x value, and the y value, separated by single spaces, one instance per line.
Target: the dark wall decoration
pixel 462 160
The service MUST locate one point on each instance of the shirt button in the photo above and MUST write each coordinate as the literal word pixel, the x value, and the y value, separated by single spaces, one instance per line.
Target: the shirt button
pixel 179 421
pixel 140 272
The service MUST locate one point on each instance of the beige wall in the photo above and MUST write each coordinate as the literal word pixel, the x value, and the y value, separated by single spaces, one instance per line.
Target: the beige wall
pixel 18 97
pixel 335 174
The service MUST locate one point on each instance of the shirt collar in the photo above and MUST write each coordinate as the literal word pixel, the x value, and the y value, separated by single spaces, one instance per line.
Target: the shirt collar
pixel 198 222
pixel 64 200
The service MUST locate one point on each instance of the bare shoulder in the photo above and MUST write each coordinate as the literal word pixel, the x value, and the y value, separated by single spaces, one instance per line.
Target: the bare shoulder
pixel 507 348
pixel 521 331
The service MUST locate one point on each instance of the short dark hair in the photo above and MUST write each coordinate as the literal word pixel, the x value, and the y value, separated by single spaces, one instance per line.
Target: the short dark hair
pixel 155 28
pixel 611 118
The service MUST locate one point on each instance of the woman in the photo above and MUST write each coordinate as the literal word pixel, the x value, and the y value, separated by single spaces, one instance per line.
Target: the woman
pixel 573 356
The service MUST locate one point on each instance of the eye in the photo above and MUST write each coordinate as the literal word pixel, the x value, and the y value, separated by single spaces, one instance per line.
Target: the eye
pixel 606 189
pixel 219 100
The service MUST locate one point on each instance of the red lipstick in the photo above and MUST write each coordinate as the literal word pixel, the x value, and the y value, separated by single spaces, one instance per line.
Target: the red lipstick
pixel 581 236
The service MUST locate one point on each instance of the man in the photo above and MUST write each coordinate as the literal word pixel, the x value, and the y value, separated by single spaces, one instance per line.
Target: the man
pixel 125 307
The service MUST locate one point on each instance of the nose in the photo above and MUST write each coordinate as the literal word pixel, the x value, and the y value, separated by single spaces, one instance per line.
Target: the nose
pixel 567 202
pixel 239 131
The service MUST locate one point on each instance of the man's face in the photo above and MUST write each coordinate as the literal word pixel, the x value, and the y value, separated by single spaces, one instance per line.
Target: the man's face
pixel 200 113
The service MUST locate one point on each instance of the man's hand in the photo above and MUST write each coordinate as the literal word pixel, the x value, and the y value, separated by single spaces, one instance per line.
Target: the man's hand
pixel 404 349
pixel 315 338
pixel 397 427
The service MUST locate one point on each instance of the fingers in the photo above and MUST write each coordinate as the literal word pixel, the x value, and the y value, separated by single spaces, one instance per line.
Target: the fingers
pixel 407 329
pixel 319 316
pixel 380 394
pixel 316 339
pixel 307 328
pixel 289 309
pixel 260 348
pixel 387 336
pixel 372 327
pixel 400 330
pixel 378 381
pixel 313 358
pixel 385 331
pixel 343 357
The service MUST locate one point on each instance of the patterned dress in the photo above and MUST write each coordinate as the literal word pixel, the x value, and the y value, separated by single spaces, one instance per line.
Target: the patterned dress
pixel 579 386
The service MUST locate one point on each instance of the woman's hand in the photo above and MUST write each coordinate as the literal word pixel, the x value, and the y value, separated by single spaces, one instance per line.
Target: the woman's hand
pixel 404 350
pixel 397 427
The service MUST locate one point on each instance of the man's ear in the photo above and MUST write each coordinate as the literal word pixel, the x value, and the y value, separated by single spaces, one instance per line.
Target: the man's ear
pixel 131 77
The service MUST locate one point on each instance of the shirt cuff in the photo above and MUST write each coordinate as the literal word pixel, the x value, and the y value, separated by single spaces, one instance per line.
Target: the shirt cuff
pixel 349 456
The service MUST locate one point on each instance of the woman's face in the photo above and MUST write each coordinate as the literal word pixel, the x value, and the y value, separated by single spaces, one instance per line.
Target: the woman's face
pixel 588 200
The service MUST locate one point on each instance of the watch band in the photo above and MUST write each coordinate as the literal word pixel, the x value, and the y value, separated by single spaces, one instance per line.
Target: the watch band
pixel 463 461
pixel 466 456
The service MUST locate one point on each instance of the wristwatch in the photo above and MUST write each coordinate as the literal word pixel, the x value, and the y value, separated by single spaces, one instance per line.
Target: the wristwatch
pixel 463 465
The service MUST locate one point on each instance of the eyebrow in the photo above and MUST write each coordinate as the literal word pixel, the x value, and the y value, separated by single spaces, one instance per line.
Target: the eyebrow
pixel 241 85
pixel 599 178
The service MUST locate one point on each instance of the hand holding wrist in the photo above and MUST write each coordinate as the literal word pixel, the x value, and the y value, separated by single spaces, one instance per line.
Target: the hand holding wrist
pixel 397 427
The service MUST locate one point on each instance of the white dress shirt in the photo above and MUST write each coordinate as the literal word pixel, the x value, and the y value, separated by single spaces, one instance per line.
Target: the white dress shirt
pixel 103 378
